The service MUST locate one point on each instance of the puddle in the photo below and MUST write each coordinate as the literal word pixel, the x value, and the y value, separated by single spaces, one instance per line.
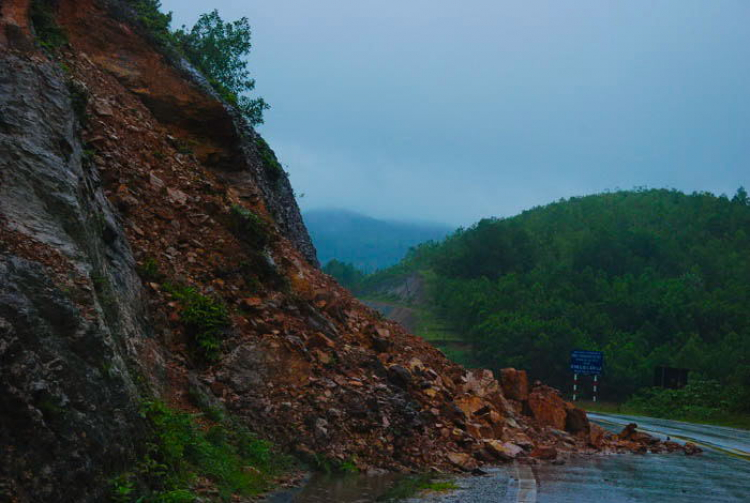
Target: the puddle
pixel 352 488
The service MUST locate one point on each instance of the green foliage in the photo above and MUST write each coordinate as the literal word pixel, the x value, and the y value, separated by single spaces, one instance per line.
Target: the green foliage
pixel 154 21
pixel 149 270
pixel 650 277
pixel 271 165
pixel 346 274
pixel 411 486
pixel 218 48
pixel 255 234
pixel 48 32
pixel 330 465
pixel 205 320
pixel 182 450
pixel 250 228
pixel 700 400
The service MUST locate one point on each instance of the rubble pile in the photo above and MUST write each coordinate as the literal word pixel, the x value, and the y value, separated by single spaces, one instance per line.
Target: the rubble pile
pixel 303 362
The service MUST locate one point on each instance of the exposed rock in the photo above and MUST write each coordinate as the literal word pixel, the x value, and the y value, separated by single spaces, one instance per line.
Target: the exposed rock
pixel 576 421
pixel 546 452
pixel 69 301
pixel 399 376
pixel 515 384
pixel 503 450
pixel 462 461
pixel 547 407
pixel 301 363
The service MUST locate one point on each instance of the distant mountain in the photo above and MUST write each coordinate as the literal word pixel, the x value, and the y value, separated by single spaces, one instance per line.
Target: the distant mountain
pixel 366 242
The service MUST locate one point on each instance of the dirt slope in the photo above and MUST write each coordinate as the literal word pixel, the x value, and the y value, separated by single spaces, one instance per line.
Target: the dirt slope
pixel 154 174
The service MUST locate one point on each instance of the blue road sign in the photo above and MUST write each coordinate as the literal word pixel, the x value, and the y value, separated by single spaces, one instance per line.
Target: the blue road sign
pixel 586 362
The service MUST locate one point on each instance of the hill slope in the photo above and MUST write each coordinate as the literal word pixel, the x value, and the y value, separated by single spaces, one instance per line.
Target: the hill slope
pixel 651 277
pixel 366 242
pixel 160 307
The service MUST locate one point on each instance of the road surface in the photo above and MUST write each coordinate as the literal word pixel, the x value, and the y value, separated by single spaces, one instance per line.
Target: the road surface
pixel 721 474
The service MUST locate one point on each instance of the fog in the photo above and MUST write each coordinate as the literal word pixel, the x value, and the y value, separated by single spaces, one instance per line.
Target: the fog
pixel 453 111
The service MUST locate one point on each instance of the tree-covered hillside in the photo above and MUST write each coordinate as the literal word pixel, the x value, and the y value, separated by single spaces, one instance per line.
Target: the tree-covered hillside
pixel 650 277
pixel 365 242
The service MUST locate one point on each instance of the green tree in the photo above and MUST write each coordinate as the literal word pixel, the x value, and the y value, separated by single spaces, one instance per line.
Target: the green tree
pixel 741 197
pixel 218 49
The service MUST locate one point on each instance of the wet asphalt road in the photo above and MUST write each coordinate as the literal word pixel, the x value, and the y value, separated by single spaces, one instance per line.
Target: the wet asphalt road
pixel 720 474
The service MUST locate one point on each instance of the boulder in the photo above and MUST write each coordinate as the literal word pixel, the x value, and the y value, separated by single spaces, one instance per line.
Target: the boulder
pixel 576 421
pixel 546 452
pixel 503 450
pixel 547 407
pixel 469 404
pixel 462 461
pixel 515 384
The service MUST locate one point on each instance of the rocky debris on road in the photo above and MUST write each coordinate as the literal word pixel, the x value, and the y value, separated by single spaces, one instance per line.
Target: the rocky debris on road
pixel 300 361
pixel 632 440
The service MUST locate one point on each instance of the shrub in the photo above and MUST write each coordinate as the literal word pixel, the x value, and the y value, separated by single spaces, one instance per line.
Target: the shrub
pixel 181 451
pixel 271 165
pixel 149 270
pixel 250 228
pixel 205 320
pixel 701 399
pixel 48 32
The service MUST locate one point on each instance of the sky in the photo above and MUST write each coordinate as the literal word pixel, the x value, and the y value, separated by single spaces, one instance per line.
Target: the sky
pixel 453 111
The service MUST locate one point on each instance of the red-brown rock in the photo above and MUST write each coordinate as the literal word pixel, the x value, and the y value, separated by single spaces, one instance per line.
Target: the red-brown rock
pixel 515 384
pixel 547 407
pixel 546 452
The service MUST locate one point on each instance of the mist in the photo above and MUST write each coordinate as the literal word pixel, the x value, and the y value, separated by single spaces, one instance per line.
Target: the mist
pixel 450 112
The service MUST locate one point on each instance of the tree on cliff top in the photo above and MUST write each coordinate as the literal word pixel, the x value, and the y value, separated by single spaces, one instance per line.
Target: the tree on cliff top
pixel 217 49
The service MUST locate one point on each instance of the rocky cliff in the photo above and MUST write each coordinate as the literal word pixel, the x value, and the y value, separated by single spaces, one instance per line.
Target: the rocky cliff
pixel 125 182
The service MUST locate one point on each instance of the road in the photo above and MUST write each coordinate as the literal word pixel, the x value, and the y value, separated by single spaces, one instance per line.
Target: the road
pixel 721 474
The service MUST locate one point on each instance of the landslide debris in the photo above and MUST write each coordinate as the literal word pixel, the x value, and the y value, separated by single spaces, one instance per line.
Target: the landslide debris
pixel 146 251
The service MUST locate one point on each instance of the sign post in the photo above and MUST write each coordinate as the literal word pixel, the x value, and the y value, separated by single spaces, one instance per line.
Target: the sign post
pixel 586 363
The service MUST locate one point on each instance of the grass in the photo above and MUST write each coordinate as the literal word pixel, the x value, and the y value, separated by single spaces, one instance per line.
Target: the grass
pixel 205 320
pixel 182 452
pixel 729 419
pixel 416 484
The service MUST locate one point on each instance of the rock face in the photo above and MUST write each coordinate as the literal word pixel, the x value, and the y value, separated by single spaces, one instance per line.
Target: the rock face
pixel 70 301
pixel 123 175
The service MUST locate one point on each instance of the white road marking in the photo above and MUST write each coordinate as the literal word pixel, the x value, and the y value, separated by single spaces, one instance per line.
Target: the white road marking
pixel 526 484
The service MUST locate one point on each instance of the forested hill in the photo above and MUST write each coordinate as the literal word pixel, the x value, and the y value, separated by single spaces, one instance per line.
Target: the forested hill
pixel 651 277
pixel 365 242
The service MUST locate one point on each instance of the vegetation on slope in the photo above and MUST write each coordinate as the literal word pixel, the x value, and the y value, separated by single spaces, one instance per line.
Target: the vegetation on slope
pixel 185 454
pixel 650 277
pixel 218 49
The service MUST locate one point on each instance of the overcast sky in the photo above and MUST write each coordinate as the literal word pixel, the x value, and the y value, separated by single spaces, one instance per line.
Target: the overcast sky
pixel 452 111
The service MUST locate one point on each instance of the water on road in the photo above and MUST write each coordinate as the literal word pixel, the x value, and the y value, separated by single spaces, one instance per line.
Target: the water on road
pixel 721 474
